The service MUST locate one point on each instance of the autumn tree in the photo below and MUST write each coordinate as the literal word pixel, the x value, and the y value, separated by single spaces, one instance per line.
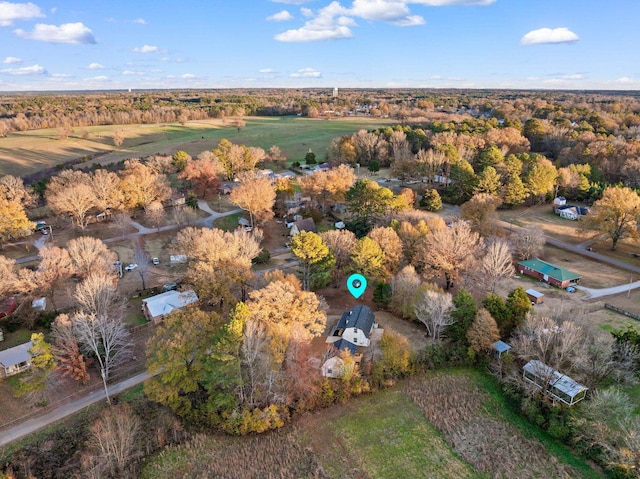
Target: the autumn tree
pixel 367 258
pixel 480 211
pixel 105 186
pixel 449 251
pixel 13 220
pixel 176 356
pixel 66 350
pixel 42 365
pixel 314 256
pixel 540 178
pixel 433 309
pixel 142 186
pixel 219 261
pixel 274 154
pixel 431 200
pixel 341 244
pixel 90 255
pixel 412 236
pixel 237 158
pixel 256 195
pixel 528 242
pixel 483 332
pixel 203 174
pixel 12 188
pixel 304 315
pixel 616 215
pixel 118 137
pixel 391 247
pixel 180 159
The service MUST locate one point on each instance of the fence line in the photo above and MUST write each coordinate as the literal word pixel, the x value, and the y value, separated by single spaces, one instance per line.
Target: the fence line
pixel 622 311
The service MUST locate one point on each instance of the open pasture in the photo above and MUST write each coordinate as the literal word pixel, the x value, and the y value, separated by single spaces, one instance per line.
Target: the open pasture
pixel 28 152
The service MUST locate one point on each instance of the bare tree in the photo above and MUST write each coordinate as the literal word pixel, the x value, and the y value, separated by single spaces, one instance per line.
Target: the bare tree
pixel 97 295
pixel 155 214
pixel 106 189
pixel 480 211
pixel 90 255
pixel 118 137
pixel 341 244
pixel 404 287
pixel 121 221
pixel 142 260
pixel 254 353
pixel 449 251
pixel 528 242
pixel 75 201
pixel 112 441
pixel 433 309
pixel 104 337
pixel 496 264
pixel 55 268
pixel 13 188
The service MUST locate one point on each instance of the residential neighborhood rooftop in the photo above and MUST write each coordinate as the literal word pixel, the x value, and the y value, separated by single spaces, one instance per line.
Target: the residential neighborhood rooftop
pixel 549 269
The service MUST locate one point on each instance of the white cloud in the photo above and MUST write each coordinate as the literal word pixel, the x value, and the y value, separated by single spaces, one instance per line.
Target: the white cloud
pixel 624 80
pixel 306 73
pixel 549 35
pixel 10 12
pixel 11 60
pixel 306 12
pixel 61 75
pixel 383 10
pixel 32 70
pixel 282 16
pixel 100 78
pixel 146 49
pixel 96 66
pixel 265 70
pixel 53 10
pixel 329 23
pixel 130 73
pixel 409 21
pixel 187 76
pixel 141 21
pixel 73 33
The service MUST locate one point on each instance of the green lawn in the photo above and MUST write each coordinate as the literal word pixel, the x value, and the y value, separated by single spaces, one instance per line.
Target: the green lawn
pixel 228 223
pixel 26 152
pixel 16 338
pixel 387 436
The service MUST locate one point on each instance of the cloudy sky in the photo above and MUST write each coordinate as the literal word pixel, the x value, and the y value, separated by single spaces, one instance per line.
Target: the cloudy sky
pixel 117 44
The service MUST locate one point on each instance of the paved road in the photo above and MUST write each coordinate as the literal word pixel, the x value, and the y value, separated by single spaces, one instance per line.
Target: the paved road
pixel 598 293
pixel 32 425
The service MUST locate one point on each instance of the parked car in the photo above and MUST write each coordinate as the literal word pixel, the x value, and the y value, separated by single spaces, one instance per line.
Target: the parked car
pixel 170 286
pixel 130 267
pixel 155 261
pixel 44 231
pixel 570 289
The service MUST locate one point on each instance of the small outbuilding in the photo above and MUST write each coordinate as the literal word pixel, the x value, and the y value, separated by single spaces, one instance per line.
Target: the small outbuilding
pixel 157 307
pixel 554 383
pixel 536 297
pixel 15 360
pixel 500 347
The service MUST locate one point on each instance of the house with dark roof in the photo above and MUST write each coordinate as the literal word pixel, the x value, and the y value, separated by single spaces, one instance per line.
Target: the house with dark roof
pixel 334 366
pixel 15 360
pixel 355 326
pixel 305 224
pixel 548 272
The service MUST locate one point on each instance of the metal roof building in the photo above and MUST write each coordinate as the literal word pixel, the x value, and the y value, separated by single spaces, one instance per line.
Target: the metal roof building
pixel 554 383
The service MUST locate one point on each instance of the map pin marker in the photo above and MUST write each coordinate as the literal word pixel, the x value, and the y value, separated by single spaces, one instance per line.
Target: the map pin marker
pixel 356 284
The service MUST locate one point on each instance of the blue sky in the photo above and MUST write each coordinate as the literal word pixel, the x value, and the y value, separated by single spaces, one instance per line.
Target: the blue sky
pixel 116 44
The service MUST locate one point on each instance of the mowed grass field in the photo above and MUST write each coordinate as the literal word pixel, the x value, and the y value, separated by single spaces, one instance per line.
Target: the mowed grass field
pixel 447 425
pixel 27 152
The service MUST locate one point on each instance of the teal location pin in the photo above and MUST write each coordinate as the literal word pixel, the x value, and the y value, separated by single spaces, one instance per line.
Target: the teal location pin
pixel 356 284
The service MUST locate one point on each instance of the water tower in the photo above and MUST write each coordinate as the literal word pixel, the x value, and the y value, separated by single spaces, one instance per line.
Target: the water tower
pixel 335 92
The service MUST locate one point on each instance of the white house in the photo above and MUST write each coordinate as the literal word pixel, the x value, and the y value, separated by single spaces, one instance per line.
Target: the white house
pixel 569 213
pixel 354 326
pixel 157 307
pixel 15 360
pixel 334 366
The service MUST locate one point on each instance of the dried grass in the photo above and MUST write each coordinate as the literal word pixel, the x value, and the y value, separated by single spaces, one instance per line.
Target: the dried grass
pixel 274 455
pixel 462 411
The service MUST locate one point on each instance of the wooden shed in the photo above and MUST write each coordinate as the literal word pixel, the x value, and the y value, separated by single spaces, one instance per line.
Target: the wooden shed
pixel 536 297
